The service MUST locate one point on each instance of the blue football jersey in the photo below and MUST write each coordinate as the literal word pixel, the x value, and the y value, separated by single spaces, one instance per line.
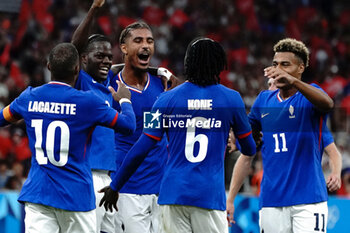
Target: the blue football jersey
pixel 327 137
pixel 292 149
pixel 101 150
pixel 58 120
pixel 147 178
pixel 196 121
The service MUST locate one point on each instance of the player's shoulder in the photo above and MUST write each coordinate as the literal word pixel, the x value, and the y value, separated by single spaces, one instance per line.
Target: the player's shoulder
pixel 155 80
pixel 267 94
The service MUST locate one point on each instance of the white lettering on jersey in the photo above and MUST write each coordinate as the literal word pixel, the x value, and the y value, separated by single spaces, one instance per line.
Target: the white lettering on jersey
pixel 199 104
pixel 51 107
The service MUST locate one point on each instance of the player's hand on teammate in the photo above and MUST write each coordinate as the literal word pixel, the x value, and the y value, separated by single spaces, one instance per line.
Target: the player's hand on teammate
pixel 98 3
pixel 231 142
pixel 230 209
pixel 168 79
pixel 109 199
pixel 333 182
pixel 257 136
pixel 122 92
pixel 281 77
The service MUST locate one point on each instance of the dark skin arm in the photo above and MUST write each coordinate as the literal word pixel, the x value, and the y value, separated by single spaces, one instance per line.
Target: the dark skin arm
pixel 81 34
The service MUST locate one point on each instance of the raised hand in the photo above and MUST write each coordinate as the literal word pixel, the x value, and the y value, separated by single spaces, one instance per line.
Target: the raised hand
pixel 98 3
pixel 122 92
pixel 167 77
pixel 281 77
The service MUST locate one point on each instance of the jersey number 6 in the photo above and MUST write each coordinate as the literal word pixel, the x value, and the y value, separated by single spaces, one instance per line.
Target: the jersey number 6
pixel 191 139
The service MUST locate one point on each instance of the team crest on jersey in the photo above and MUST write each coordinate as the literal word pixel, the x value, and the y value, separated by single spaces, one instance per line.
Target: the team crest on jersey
pixel 291 111
pixel 151 120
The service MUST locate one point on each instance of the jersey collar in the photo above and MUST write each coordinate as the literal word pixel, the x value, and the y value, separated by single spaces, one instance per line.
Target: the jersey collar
pixel 59 83
pixel 133 88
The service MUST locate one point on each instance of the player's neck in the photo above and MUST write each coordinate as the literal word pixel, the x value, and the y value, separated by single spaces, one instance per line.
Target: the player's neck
pixel 134 78
pixel 286 93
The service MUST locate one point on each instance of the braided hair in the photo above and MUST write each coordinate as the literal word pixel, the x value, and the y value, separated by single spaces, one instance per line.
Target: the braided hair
pixel 136 25
pixel 204 61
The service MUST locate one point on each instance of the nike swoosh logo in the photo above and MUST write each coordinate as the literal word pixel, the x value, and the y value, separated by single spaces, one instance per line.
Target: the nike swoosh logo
pixel 264 115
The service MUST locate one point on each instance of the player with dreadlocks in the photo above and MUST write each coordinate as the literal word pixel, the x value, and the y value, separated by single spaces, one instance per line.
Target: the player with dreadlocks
pixel 196 117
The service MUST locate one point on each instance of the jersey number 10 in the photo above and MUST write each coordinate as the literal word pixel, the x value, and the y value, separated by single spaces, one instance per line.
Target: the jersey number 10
pixel 50 142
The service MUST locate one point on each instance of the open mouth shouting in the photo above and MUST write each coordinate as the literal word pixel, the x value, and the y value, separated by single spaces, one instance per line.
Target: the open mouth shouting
pixel 144 58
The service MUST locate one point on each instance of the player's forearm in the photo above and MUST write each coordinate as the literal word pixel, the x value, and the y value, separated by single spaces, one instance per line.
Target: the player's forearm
pixel 132 161
pixel 240 172
pixel 247 145
pixel 316 96
pixel 335 158
pixel 126 122
pixel 81 34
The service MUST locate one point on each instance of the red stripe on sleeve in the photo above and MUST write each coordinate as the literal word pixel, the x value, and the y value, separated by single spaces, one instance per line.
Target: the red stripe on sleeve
pixel 114 120
pixel 154 137
pixel 244 135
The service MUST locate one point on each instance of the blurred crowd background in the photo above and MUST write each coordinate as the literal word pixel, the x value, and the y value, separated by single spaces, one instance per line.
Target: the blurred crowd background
pixel 247 29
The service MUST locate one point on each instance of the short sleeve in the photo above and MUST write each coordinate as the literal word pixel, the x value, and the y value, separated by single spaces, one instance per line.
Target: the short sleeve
pixel 104 115
pixel 327 137
pixel 241 126
pixel 254 114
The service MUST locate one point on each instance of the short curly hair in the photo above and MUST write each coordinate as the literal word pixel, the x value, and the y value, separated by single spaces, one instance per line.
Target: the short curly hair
pixel 294 46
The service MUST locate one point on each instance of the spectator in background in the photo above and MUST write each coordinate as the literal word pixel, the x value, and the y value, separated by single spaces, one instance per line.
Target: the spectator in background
pixel 21 149
pixel 5 173
pixel 16 180
pixel 6 144
pixel 344 191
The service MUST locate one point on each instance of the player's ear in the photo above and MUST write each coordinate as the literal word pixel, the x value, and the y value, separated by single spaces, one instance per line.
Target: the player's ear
pixel 84 58
pixel 76 69
pixel 123 49
pixel 48 66
pixel 301 68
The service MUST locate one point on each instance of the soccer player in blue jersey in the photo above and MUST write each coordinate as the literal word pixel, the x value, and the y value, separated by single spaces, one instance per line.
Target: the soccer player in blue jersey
pixel 196 118
pixel 138 208
pixel 334 179
pixel 96 60
pixel 58 193
pixel 293 194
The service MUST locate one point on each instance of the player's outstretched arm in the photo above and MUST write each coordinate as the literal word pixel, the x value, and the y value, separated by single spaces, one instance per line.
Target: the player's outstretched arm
pixel 81 34
pixel 132 161
pixel 334 179
pixel 239 173
pixel 126 121
pixel 6 117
